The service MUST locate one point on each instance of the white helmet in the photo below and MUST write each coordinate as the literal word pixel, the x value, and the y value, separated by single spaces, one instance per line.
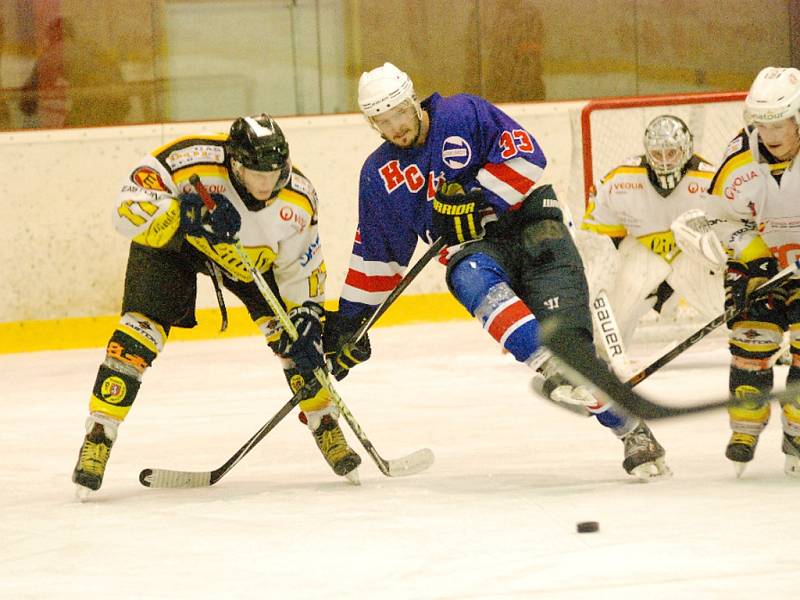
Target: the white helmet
pixel 668 147
pixel 384 88
pixel 774 96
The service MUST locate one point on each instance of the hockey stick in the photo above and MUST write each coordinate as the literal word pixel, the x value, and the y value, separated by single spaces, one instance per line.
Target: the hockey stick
pixel 430 253
pixel 408 465
pixel 776 281
pixel 583 367
pixel 599 375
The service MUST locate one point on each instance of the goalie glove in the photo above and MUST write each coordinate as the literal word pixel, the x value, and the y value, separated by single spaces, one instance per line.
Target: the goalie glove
pixel 456 214
pixel 694 236
pixel 340 355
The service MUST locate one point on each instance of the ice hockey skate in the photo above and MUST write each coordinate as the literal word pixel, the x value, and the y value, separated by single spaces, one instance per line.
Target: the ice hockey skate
pixel 644 456
pixel 93 455
pixel 791 448
pixel 332 443
pixel 549 383
pixel 740 451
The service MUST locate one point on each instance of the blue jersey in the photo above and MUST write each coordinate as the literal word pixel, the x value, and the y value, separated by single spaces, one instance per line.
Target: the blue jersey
pixel 470 141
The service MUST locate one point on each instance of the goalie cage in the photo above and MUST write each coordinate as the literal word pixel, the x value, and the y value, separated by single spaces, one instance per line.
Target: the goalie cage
pixel 608 131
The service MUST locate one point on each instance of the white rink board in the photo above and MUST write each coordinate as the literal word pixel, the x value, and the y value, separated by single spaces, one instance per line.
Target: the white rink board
pixel 62 258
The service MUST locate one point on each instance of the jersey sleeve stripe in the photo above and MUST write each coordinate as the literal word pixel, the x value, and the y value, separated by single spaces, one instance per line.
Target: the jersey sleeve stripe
pixel 181 176
pixel 511 180
pixel 188 140
pixel 621 171
pixel 609 230
pixel 298 199
pixel 357 296
pixel 733 163
pixel 375 267
pixel 700 174
pixel 372 283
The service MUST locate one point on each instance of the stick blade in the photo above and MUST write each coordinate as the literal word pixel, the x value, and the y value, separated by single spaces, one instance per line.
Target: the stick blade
pixel 165 478
pixel 414 463
pixel 584 367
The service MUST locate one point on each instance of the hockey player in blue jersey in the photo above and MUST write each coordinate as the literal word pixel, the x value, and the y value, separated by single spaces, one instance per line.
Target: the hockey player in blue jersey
pixel 459 168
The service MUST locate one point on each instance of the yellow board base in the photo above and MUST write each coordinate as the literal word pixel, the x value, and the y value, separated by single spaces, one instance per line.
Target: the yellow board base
pixel 94 332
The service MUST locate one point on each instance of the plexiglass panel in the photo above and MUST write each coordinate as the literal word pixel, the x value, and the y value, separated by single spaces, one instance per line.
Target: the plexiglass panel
pixel 67 63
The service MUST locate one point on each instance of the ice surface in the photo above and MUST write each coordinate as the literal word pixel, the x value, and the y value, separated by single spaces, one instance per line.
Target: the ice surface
pixel 494 518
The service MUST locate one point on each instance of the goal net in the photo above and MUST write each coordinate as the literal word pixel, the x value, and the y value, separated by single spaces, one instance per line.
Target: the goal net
pixel 610 130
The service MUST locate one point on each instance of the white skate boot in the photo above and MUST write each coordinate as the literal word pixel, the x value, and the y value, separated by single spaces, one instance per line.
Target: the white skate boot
pixel 644 456
pixel 791 448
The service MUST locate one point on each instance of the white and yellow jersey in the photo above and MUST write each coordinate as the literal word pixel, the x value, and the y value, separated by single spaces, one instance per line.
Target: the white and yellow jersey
pixel 625 203
pixel 281 234
pixel 765 193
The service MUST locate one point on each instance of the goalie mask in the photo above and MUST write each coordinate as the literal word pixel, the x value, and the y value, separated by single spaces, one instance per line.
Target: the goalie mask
pixel 668 147
pixel 258 144
pixel 384 89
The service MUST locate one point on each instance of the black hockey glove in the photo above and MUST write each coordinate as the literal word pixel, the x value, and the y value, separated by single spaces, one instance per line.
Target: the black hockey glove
pixel 217 226
pixel 742 279
pixel 456 216
pixel 342 356
pixel 306 350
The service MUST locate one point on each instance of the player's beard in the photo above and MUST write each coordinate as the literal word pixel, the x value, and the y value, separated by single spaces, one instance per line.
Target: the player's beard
pixel 413 142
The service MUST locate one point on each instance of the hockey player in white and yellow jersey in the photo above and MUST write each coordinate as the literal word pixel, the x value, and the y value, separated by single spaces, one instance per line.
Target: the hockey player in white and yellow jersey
pixel 759 182
pixel 262 203
pixel 654 208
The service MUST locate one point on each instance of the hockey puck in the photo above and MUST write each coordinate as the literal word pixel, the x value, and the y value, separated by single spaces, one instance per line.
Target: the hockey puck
pixel 588 526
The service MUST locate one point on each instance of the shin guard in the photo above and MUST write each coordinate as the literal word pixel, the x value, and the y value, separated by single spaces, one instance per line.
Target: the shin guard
pixel 131 350
pixel 482 287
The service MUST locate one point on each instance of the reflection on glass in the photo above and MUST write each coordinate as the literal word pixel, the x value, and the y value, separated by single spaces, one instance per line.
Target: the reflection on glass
pixel 66 63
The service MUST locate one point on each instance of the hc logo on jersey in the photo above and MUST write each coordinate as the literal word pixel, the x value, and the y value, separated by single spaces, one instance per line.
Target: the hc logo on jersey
pixel 456 152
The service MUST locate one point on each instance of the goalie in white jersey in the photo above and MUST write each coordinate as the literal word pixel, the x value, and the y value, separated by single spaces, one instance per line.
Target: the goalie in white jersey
pixel 655 210
pixel 264 204
pixel 759 181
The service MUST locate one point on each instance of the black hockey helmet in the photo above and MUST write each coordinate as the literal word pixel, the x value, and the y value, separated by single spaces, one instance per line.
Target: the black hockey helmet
pixel 258 143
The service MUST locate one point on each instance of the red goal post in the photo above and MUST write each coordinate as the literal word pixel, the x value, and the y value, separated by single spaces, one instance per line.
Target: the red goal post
pixel 612 128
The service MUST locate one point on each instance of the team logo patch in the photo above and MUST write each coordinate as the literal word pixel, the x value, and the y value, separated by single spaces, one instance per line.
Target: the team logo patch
pixel 456 152
pixel 113 390
pixel 733 147
pixel 296 382
pixel 149 179
pixel 286 213
pixel 199 153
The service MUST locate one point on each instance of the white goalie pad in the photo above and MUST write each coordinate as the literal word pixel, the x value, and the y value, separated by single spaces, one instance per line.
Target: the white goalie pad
pixel 639 274
pixel 694 236
pixel 609 335
pixel 701 286
pixel 600 260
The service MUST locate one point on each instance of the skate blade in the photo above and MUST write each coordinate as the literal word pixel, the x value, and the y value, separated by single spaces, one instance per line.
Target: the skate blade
pixel 738 468
pixel 649 471
pixel 353 477
pixel 792 466
pixel 83 494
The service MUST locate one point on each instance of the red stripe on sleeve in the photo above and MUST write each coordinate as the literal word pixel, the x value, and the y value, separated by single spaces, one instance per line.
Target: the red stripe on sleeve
pixel 510 177
pixel 371 283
